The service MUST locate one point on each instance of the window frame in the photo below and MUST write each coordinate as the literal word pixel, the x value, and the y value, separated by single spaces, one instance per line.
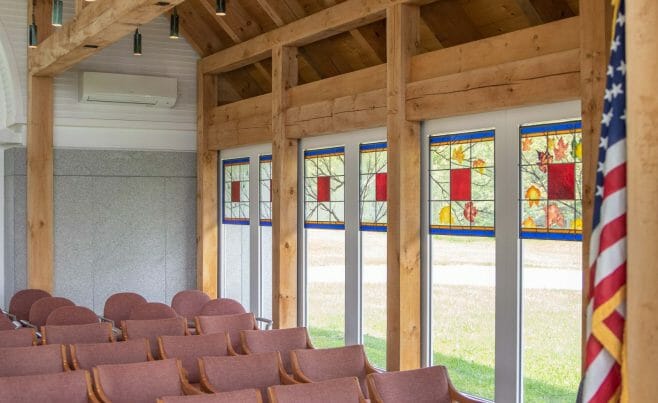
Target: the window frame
pixel 353 270
pixel 255 274
pixel 509 310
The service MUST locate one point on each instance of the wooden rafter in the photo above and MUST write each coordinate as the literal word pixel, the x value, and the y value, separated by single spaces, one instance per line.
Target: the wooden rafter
pixel 542 11
pixel 97 26
pixel 321 25
pixel 450 23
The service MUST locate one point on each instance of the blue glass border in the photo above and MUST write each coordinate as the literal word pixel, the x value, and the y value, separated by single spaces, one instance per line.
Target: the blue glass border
pixel 373 228
pixel 551 127
pixel 324 151
pixel 449 138
pixel 235 222
pixel 463 232
pixel 264 158
pixel 382 145
pixel 235 161
pixel 554 236
pixel 265 223
pixel 324 226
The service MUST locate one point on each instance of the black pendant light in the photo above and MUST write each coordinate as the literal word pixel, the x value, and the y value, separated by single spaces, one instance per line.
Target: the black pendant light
pixel 32 38
pixel 220 7
pixel 137 43
pixel 58 7
pixel 174 25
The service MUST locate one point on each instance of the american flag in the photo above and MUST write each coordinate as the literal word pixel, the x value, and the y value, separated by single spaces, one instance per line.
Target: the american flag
pixel 606 310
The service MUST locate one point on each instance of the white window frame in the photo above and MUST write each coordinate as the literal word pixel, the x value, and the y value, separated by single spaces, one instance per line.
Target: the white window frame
pixel 508 327
pixel 253 153
pixel 353 306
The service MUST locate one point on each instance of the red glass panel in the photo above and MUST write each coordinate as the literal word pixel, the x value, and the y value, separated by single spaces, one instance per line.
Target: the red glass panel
pixel 460 184
pixel 324 188
pixel 561 181
pixel 380 187
pixel 235 191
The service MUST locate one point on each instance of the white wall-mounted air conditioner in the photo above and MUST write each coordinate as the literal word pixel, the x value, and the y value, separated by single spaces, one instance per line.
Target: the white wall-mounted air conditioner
pixel 109 88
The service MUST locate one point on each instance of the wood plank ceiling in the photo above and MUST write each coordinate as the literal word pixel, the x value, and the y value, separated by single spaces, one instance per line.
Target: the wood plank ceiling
pixel 444 23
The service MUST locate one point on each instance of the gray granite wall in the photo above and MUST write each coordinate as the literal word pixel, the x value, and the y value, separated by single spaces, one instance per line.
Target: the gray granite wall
pixel 124 221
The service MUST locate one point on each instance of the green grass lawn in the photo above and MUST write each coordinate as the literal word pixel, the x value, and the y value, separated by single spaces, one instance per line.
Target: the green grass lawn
pixel 463 336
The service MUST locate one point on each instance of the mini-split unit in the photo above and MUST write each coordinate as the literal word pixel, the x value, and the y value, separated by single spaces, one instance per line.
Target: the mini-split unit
pixel 124 89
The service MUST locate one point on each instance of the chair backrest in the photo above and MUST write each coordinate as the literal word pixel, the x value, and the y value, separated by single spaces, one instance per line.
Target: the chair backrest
pixel 230 324
pixel 222 306
pixel 66 387
pixel 6 323
pixel 190 349
pixel 282 340
pixel 330 363
pixel 225 374
pixel 43 307
pixel 151 329
pixel 239 396
pixel 18 361
pixel 22 301
pixel 77 334
pixel 152 310
pixel 189 303
pixel 141 382
pixel 341 390
pixel 87 356
pixel 118 306
pixel 23 337
pixel 426 384
pixel 72 315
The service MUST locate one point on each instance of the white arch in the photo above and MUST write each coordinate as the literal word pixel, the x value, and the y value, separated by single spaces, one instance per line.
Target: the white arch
pixel 11 97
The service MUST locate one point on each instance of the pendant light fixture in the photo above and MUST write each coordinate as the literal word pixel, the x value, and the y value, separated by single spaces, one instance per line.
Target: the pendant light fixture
pixel 137 43
pixel 174 24
pixel 58 6
pixel 220 7
pixel 32 38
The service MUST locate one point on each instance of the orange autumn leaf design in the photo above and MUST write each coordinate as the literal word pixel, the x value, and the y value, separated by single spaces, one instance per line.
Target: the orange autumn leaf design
pixel 470 211
pixel 544 158
pixel 529 222
pixel 458 154
pixel 526 143
pixel 478 165
pixel 560 150
pixel 533 194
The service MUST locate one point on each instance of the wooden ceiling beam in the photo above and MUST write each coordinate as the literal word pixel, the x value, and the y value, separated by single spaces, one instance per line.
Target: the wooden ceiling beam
pixel 329 22
pixel 543 11
pixel 450 23
pixel 97 26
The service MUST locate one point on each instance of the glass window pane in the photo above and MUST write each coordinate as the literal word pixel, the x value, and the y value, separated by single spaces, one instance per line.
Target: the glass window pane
pixel 265 214
pixel 324 188
pixel 235 234
pixel 325 286
pixel 463 248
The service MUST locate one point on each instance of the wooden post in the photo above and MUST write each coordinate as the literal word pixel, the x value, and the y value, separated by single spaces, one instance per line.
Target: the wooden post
pixel 79 5
pixel 642 119
pixel 207 226
pixel 403 285
pixel 595 18
pixel 40 202
pixel 284 192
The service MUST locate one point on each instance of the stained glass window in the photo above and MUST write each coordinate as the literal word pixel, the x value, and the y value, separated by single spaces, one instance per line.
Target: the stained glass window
pixel 236 191
pixel 374 163
pixel 324 188
pixel 462 184
pixel 266 190
pixel 551 181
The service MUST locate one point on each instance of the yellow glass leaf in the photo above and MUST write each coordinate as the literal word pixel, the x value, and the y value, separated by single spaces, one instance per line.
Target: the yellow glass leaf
pixel 458 154
pixel 533 194
pixel 577 224
pixel 529 223
pixel 578 151
pixel 445 216
pixel 479 165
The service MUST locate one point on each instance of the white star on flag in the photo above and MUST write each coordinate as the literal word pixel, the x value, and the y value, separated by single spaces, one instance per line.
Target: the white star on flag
pixel 599 191
pixel 600 167
pixel 611 71
pixel 603 143
pixel 607 118
pixel 622 67
pixel 615 44
pixel 608 95
pixel 617 89
pixel 621 20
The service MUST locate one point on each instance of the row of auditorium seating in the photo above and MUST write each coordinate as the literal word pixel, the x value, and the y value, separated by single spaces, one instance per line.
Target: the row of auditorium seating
pixel 230 353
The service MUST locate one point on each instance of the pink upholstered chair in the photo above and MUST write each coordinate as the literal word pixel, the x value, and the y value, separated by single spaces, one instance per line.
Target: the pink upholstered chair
pixel 282 340
pixel 331 363
pixel 341 390
pixel 152 310
pixel 239 396
pixel 87 356
pixel 23 337
pixel 6 323
pixel 142 382
pixel 430 385
pixel 42 308
pixel 77 334
pixel 190 349
pixel 72 315
pixel 66 387
pixel 189 303
pixel 151 329
pixel 222 306
pixel 118 306
pixel 19 361
pixel 229 324
pixel 226 374
pixel 22 301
